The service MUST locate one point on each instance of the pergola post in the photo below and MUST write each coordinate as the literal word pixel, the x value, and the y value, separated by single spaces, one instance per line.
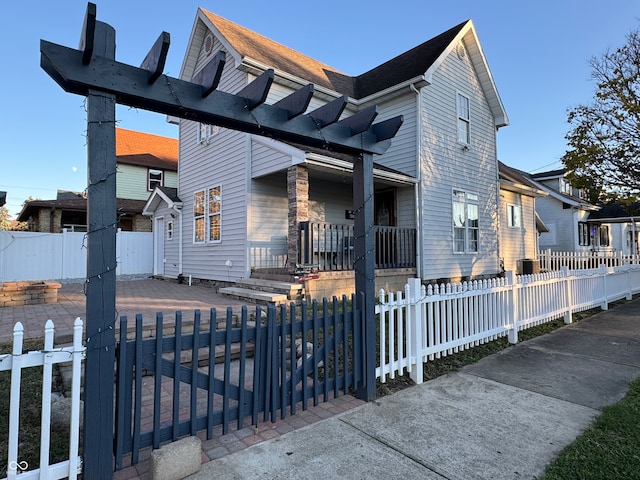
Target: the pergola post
pixel 101 270
pixel 364 265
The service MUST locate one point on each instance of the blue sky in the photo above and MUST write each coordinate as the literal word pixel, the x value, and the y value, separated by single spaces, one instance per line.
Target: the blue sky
pixel 538 52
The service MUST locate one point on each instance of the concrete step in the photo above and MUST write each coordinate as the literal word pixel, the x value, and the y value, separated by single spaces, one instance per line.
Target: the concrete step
pixel 290 289
pixel 254 296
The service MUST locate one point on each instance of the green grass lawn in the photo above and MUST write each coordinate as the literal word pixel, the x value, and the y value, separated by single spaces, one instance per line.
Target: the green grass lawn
pixel 609 449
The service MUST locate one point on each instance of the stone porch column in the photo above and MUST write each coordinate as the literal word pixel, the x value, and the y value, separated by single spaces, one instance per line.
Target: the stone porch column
pixel 298 194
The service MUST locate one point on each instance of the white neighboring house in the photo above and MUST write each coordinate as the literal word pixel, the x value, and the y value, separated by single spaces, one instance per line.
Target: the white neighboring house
pixel 250 203
pixel 565 211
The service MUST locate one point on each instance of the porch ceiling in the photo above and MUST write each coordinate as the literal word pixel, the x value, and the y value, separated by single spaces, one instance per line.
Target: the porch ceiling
pixel 339 170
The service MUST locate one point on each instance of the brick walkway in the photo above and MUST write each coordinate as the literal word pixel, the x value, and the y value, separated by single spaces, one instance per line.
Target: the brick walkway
pixel 148 297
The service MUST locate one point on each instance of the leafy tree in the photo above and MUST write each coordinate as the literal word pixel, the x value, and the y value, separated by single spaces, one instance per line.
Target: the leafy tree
pixel 5 218
pixel 604 141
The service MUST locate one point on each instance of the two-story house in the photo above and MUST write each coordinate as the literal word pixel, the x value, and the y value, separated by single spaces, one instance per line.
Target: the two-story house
pixel 143 162
pixel 565 211
pixel 246 204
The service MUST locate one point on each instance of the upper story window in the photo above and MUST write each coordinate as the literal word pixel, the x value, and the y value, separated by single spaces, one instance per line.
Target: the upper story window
pixel 514 216
pixel 583 193
pixel 207 211
pixel 206 133
pixel 565 186
pixel 155 178
pixel 464 119
pixel 465 222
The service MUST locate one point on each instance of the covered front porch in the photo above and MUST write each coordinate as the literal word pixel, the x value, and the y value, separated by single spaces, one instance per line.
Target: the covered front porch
pixel 310 223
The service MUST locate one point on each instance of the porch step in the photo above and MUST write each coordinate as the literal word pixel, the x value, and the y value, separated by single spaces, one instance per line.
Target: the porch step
pixel 290 289
pixel 254 296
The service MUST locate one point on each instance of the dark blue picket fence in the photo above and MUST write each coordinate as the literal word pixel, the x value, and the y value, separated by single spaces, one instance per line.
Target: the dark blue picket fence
pixel 252 371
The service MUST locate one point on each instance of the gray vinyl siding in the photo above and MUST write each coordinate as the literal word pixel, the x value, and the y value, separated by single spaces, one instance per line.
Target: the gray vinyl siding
pixel 269 209
pixel 517 243
pixel 221 162
pixel 266 160
pixel 446 166
pixel 401 155
pixel 563 226
pixel 328 202
pixel 406 207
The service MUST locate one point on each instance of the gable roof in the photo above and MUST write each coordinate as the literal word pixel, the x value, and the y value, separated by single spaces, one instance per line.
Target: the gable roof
pixel 415 65
pixel 146 150
pixel 168 195
pixel 518 181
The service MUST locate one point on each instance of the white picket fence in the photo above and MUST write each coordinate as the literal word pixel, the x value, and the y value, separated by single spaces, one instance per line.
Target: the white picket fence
pixel 28 256
pixel 428 322
pixel 15 362
pixel 550 260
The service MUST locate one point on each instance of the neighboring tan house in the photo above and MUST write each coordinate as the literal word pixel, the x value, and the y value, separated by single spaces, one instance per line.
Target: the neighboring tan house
pixel 520 225
pixel 566 212
pixel 249 204
pixel 143 161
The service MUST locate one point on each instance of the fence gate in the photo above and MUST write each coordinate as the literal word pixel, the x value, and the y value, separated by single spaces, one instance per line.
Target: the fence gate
pixel 216 374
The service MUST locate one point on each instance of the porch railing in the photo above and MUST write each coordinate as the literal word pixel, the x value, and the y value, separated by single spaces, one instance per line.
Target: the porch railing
pixel 330 246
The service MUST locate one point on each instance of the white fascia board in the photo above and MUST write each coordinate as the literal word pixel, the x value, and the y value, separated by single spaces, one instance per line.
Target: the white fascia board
pixel 297 155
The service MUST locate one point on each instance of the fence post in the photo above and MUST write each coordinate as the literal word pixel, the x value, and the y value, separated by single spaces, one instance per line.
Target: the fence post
pixel 416 322
pixel 568 314
pixel 605 295
pixel 14 403
pixel 510 277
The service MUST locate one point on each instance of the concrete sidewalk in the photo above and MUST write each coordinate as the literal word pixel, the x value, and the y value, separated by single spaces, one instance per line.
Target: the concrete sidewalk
pixel 505 417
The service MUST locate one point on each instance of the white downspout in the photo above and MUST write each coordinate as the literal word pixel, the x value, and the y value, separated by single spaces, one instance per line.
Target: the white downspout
pixel 418 185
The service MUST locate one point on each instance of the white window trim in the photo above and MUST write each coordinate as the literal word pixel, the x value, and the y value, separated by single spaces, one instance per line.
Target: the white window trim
pixel 156 171
pixel 203 216
pixel 206 132
pixel 459 118
pixel 206 216
pixel 169 236
pixel 467 201
pixel 214 214
pixel 511 218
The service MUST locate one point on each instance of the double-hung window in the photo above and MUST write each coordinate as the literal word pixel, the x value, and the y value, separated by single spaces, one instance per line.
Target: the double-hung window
pixel 584 237
pixel 213 209
pixel 514 216
pixel 465 222
pixel 464 119
pixel 198 217
pixel 207 210
pixel 154 178
pixel 206 132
